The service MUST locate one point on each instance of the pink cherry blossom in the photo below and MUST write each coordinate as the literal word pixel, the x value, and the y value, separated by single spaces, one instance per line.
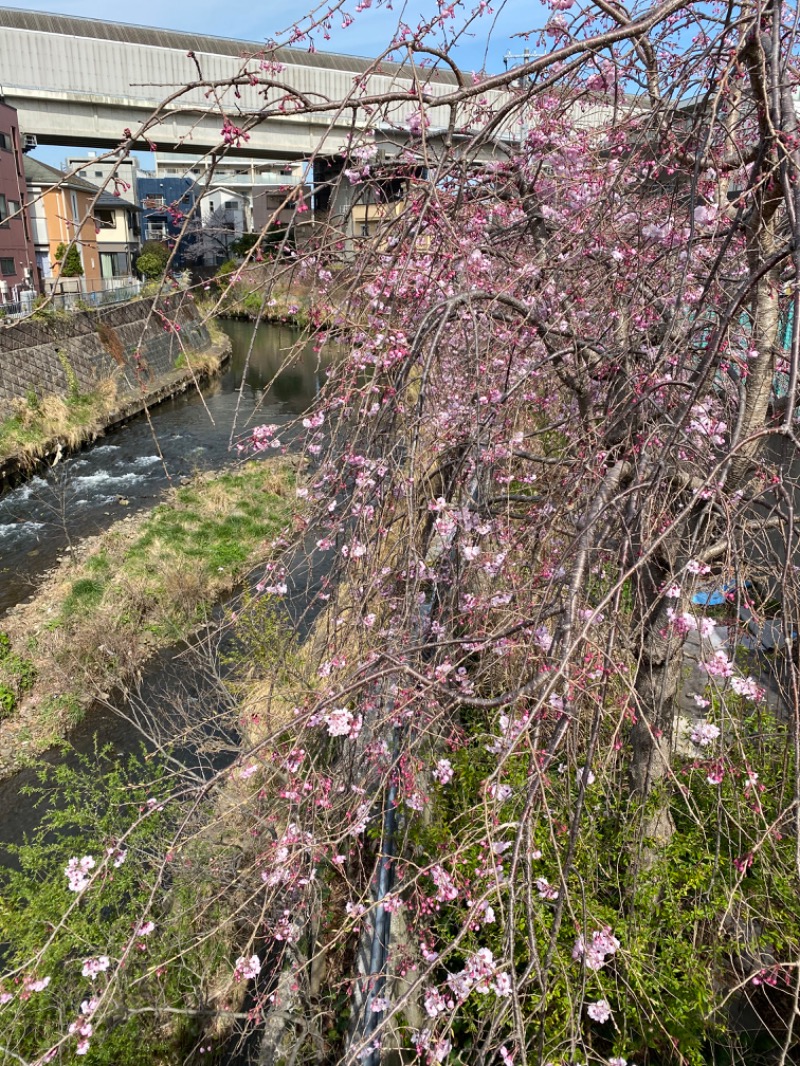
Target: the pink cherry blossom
pixel 247 969
pixel 77 871
pixel 599 1011
pixel 601 944
pixel 93 967
pixel 443 772
pixel 704 733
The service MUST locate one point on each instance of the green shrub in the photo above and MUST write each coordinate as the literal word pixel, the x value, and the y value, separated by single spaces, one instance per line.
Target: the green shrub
pixel 8 701
pixel 150 265
pixel 70 259
pixel 674 966
pixel 153 260
pixel 98 804
pixel 230 266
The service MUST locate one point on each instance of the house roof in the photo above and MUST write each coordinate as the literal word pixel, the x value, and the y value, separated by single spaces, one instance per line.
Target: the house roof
pixel 40 173
pixel 108 199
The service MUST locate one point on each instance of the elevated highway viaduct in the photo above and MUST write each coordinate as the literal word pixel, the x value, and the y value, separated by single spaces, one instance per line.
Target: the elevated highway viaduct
pixel 84 82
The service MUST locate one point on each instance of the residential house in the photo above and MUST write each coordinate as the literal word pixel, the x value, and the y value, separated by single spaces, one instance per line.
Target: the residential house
pixel 362 208
pixel 17 257
pixel 225 215
pixel 166 202
pixel 240 195
pixel 276 199
pixel 118 233
pixel 61 212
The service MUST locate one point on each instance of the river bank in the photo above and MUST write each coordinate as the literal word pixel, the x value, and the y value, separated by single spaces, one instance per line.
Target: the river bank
pixel 271 293
pixel 42 431
pixel 100 390
pixel 128 469
pixel 142 585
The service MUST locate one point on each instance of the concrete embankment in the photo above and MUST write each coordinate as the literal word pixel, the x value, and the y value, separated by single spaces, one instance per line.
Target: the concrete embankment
pixel 65 380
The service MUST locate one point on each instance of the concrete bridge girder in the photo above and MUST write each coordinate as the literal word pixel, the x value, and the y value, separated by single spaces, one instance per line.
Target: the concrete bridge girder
pixel 94 120
pixel 83 89
pixel 83 82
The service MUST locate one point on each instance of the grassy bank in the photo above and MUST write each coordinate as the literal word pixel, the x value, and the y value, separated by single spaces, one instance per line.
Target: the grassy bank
pixel 35 423
pixel 39 427
pixel 241 302
pixel 268 292
pixel 144 584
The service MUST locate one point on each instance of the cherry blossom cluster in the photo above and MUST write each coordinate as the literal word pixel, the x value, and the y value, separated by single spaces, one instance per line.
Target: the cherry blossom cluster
pixel 247 969
pixel 595 953
pixel 78 871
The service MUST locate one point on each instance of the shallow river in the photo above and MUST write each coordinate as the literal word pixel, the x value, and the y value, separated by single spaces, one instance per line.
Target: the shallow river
pixel 124 472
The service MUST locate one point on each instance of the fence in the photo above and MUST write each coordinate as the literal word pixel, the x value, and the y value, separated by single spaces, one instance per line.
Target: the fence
pixel 119 290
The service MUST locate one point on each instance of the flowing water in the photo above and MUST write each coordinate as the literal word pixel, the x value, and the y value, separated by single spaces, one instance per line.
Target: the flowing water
pixel 124 472
pixel 129 468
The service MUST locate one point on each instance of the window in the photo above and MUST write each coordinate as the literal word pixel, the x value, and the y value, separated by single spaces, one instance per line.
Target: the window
pixel 3 211
pixel 5 142
pixel 231 205
pixel 7 268
pixel 114 264
pixel 98 173
pixel 105 216
pixel 153 201
pixel 13 207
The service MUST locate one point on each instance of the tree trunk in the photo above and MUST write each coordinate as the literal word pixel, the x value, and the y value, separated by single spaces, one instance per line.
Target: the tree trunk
pixel 657 682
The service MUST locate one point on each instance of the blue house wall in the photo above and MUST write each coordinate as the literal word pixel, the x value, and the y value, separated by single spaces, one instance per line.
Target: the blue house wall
pixel 180 195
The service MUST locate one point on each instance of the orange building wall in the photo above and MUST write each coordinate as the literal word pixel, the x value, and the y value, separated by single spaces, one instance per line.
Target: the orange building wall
pixel 58 209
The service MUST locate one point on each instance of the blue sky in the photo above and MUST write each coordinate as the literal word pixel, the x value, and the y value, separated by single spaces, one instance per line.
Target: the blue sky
pixel 257 22
pixel 369 34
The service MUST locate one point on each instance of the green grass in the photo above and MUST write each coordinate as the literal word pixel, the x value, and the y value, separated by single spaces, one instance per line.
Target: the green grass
pixel 145 585
pixel 84 594
pixel 99 564
pixel 189 529
pixel 186 552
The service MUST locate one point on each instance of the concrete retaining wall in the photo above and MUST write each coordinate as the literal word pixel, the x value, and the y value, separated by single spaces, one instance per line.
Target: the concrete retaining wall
pixel 130 342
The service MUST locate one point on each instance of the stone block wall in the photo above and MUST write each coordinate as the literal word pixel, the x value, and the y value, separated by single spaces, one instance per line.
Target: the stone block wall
pixel 135 342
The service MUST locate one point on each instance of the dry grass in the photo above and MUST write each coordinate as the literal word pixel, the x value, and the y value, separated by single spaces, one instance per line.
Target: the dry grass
pixel 37 426
pixel 144 584
pixel 206 363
